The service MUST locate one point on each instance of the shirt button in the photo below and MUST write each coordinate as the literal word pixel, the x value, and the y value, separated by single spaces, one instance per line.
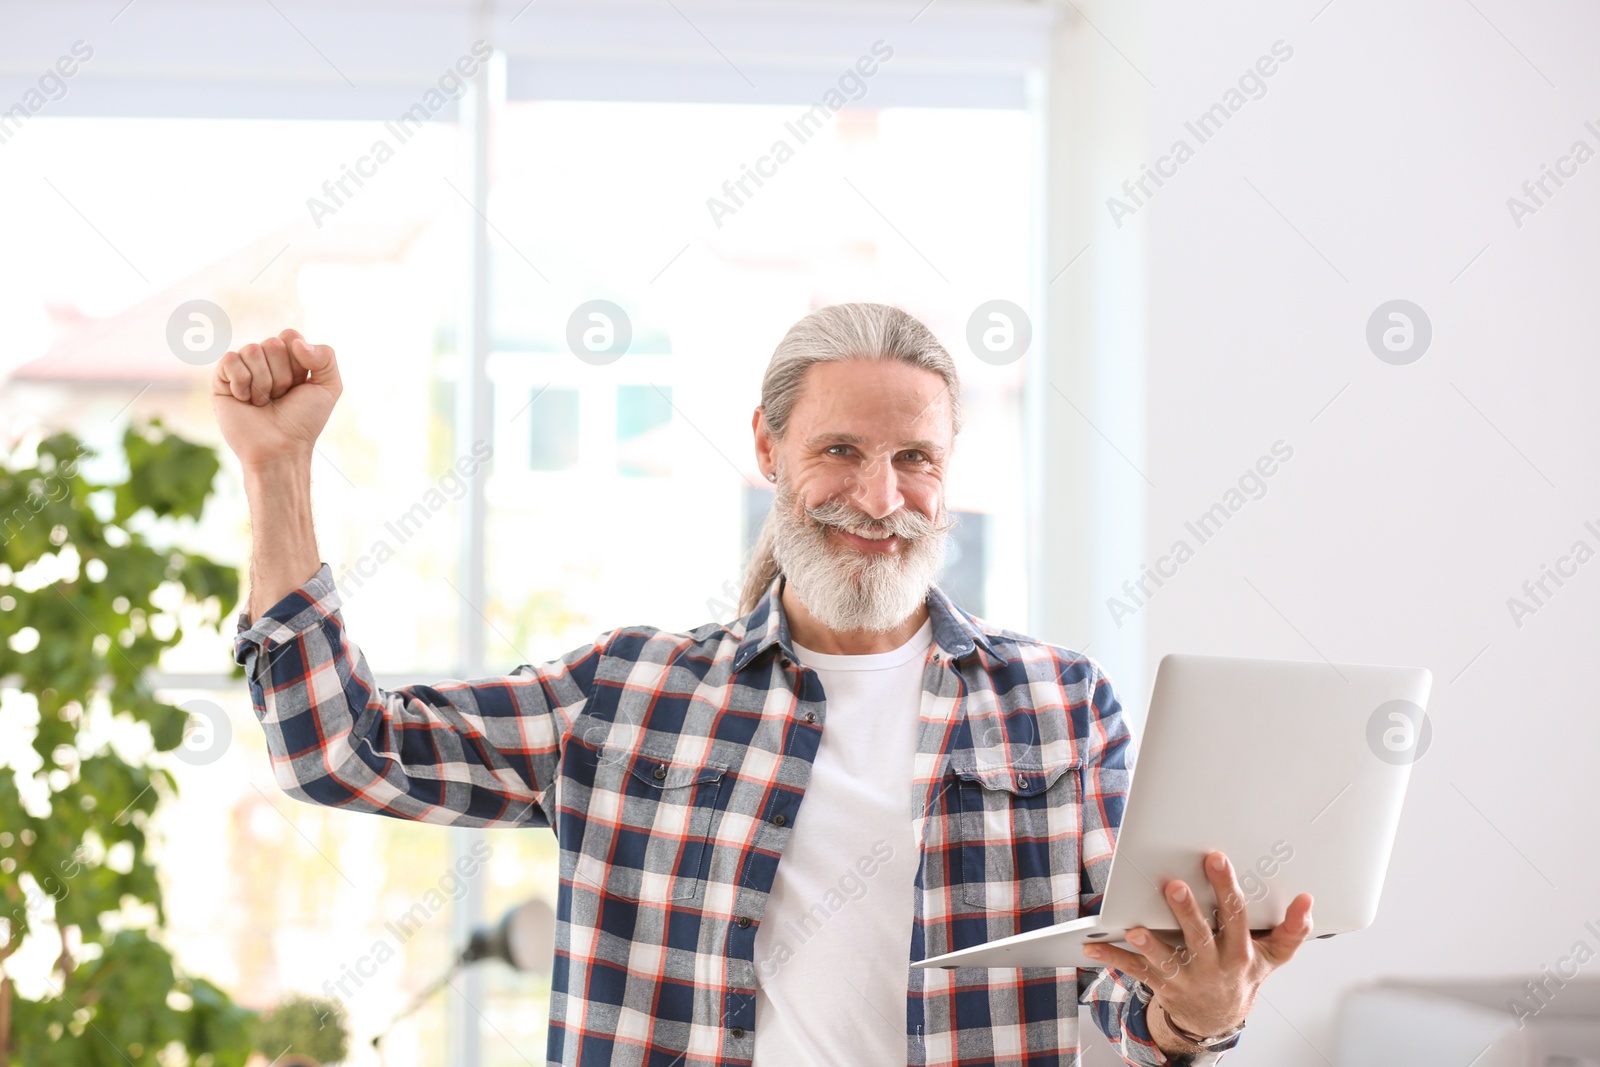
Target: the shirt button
pixel 783 661
pixel 737 1032
pixel 779 820
pixel 744 922
pixel 1022 781
pixel 811 716
pixel 659 773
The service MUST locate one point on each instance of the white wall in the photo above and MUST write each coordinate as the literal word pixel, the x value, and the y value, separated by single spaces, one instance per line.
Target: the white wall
pixel 1421 499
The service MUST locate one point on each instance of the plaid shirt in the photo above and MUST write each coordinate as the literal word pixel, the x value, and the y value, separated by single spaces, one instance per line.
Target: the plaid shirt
pixel 673 769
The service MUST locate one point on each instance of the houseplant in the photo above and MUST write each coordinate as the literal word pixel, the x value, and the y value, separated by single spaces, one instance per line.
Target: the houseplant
pixel 91 593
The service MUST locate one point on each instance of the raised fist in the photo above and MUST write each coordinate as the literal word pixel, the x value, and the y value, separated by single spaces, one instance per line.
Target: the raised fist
pixel 274 398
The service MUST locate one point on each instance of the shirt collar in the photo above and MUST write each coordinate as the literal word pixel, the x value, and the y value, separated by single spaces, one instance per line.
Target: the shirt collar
pixel 954 631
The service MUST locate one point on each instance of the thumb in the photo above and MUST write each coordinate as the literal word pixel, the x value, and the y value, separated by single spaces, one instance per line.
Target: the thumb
pixel 1279 946
pixel 317 359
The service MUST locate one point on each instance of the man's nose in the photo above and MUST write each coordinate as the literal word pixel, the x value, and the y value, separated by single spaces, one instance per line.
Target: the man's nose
pixel 876 488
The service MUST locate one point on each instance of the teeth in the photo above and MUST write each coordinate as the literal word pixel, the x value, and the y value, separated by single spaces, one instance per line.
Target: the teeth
pixel 882 536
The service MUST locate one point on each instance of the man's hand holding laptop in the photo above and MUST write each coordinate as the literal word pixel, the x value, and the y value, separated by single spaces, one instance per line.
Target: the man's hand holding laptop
pixel 1319 808
pixel 1207 985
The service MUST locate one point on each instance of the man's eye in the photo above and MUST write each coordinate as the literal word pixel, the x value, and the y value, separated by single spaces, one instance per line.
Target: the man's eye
pixel 838 450
pixel 915 457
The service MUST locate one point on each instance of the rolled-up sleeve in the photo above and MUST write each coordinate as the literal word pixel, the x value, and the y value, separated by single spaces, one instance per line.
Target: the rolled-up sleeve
pixel 1119 1006
pixel 1116 1002
pixel 483 752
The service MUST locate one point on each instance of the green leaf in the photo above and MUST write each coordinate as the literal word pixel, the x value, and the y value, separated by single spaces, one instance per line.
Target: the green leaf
pixel 166 474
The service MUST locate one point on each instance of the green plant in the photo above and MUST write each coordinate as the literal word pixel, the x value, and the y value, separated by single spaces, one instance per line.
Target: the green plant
pixel 88 601
pixel 305 1026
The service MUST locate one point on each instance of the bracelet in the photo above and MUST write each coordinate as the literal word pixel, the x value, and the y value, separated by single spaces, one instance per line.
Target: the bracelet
pixel 1195 1039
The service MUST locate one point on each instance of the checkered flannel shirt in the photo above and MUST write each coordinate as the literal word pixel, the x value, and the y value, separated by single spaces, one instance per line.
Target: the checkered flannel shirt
pixel 673 769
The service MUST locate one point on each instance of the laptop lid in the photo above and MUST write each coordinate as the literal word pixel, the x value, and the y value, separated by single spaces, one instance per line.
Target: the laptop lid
pixel 1296 770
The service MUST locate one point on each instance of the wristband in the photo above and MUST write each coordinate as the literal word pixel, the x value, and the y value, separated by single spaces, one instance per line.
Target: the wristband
pixel 1207 1043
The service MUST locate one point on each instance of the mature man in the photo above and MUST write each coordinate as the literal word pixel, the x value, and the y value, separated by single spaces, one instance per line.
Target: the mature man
pixel 761 824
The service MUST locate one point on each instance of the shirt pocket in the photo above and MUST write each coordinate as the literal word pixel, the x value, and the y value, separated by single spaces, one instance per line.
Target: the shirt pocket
pixel 648 826
pixel 1018 834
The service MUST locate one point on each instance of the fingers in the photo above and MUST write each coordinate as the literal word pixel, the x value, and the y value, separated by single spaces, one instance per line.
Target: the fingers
pixel 1129 963
pixel 279 366
pixel 259 373
pixel 1198 936
pixel 1279 946
pixel 254 358
pixel 1163 959
pixel 232 378
pixel 1233 925
pixel 294 344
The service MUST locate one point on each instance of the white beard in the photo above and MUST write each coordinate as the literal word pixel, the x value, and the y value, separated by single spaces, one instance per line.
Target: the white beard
pixel 850 590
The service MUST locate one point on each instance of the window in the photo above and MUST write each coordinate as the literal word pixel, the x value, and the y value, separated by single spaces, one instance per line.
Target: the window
pixel 619 490
pixel 554 430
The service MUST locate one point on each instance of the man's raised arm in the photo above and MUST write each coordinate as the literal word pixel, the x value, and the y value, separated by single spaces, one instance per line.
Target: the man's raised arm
pixel 478 753
pixel 272 401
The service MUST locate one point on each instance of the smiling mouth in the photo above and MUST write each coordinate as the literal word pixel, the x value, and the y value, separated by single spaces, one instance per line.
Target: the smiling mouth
pixel 874 541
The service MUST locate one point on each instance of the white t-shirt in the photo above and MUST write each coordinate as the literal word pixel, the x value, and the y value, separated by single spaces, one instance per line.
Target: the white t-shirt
pixel 835 940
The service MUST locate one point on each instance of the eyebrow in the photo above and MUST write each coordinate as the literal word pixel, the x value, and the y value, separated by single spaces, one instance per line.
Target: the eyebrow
pixel 826 439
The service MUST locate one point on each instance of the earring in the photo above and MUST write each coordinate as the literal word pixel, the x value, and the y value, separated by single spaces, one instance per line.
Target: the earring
pixel 772 477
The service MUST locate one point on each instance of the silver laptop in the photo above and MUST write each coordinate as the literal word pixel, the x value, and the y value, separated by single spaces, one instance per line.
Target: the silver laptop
pixel 1296 770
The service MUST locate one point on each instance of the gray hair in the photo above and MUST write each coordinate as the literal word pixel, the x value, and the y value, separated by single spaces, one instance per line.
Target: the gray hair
pixel 834 334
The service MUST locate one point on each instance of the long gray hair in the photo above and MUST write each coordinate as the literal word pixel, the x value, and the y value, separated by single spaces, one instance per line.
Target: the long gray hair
pixel 833 334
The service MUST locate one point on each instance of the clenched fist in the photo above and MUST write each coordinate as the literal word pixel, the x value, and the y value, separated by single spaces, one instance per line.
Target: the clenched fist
pixel 274 398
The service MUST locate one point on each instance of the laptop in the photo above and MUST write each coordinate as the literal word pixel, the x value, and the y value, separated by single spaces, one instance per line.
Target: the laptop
pixel 1296 770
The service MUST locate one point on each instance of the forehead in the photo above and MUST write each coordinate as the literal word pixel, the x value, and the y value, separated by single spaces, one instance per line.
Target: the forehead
pixel 873 399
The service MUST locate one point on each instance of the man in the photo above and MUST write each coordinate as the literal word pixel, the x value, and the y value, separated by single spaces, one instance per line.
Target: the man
pixel 761 824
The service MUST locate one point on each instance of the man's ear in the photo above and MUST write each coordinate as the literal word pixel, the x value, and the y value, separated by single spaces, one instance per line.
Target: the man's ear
pixel 766 447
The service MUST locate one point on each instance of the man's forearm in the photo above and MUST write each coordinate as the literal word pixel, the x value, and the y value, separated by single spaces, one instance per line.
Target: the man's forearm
pixel 283 550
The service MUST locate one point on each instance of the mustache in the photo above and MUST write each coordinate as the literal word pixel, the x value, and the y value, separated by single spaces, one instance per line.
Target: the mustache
pixel 906 524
